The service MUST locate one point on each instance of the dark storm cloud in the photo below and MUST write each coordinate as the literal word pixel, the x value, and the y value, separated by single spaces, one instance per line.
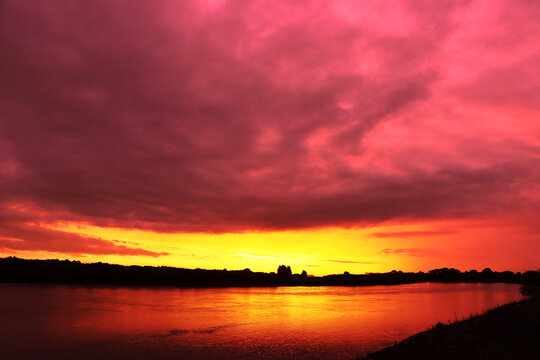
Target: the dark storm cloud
pixel 181 116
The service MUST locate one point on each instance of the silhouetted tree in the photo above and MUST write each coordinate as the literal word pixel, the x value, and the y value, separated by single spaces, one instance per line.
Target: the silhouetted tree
pixel 304 274
pixel 487 271
pixel 445 275
pixel 531 284
pixel 284 271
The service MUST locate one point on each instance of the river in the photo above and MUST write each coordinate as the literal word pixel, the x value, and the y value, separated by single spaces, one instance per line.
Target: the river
pixel 78 322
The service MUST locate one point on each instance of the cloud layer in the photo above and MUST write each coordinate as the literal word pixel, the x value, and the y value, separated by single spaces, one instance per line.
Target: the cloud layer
pixel 226 116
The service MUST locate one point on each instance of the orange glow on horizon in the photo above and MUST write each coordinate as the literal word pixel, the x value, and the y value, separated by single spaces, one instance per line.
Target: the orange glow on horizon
pixel 410 247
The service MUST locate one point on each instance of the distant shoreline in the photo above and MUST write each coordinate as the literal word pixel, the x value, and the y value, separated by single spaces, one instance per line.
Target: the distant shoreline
pixel 16 270
pixel 510 331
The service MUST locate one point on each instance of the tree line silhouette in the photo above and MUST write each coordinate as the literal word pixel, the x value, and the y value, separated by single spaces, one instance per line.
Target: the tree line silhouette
pixel 15 270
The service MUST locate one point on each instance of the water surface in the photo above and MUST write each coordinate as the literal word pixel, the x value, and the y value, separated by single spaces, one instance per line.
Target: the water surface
pixel 78 322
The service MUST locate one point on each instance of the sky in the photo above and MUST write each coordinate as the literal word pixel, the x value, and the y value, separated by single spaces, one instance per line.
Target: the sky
pixel 332 136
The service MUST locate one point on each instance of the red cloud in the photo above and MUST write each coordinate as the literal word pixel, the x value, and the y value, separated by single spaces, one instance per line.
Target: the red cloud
pixel 172 116
pixel 408 234
pixel 17 234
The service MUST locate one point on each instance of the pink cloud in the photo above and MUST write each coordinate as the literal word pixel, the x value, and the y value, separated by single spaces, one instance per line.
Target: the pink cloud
pixel 233 116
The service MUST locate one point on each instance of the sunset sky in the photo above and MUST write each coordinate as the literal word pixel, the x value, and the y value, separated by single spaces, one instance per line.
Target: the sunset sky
pixel 331 136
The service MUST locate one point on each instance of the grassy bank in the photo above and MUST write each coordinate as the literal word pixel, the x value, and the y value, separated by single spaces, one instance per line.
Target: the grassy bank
pixel 510 331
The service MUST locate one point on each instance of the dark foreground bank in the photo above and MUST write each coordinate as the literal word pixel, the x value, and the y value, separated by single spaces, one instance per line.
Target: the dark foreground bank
pixel 510 331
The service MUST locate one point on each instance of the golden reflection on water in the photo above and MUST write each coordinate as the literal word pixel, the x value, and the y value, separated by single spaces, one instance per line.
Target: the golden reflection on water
pixel 229 323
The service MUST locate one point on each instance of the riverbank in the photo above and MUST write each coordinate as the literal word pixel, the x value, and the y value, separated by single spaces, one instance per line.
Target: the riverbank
pixel 15 270
pixel 510 331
